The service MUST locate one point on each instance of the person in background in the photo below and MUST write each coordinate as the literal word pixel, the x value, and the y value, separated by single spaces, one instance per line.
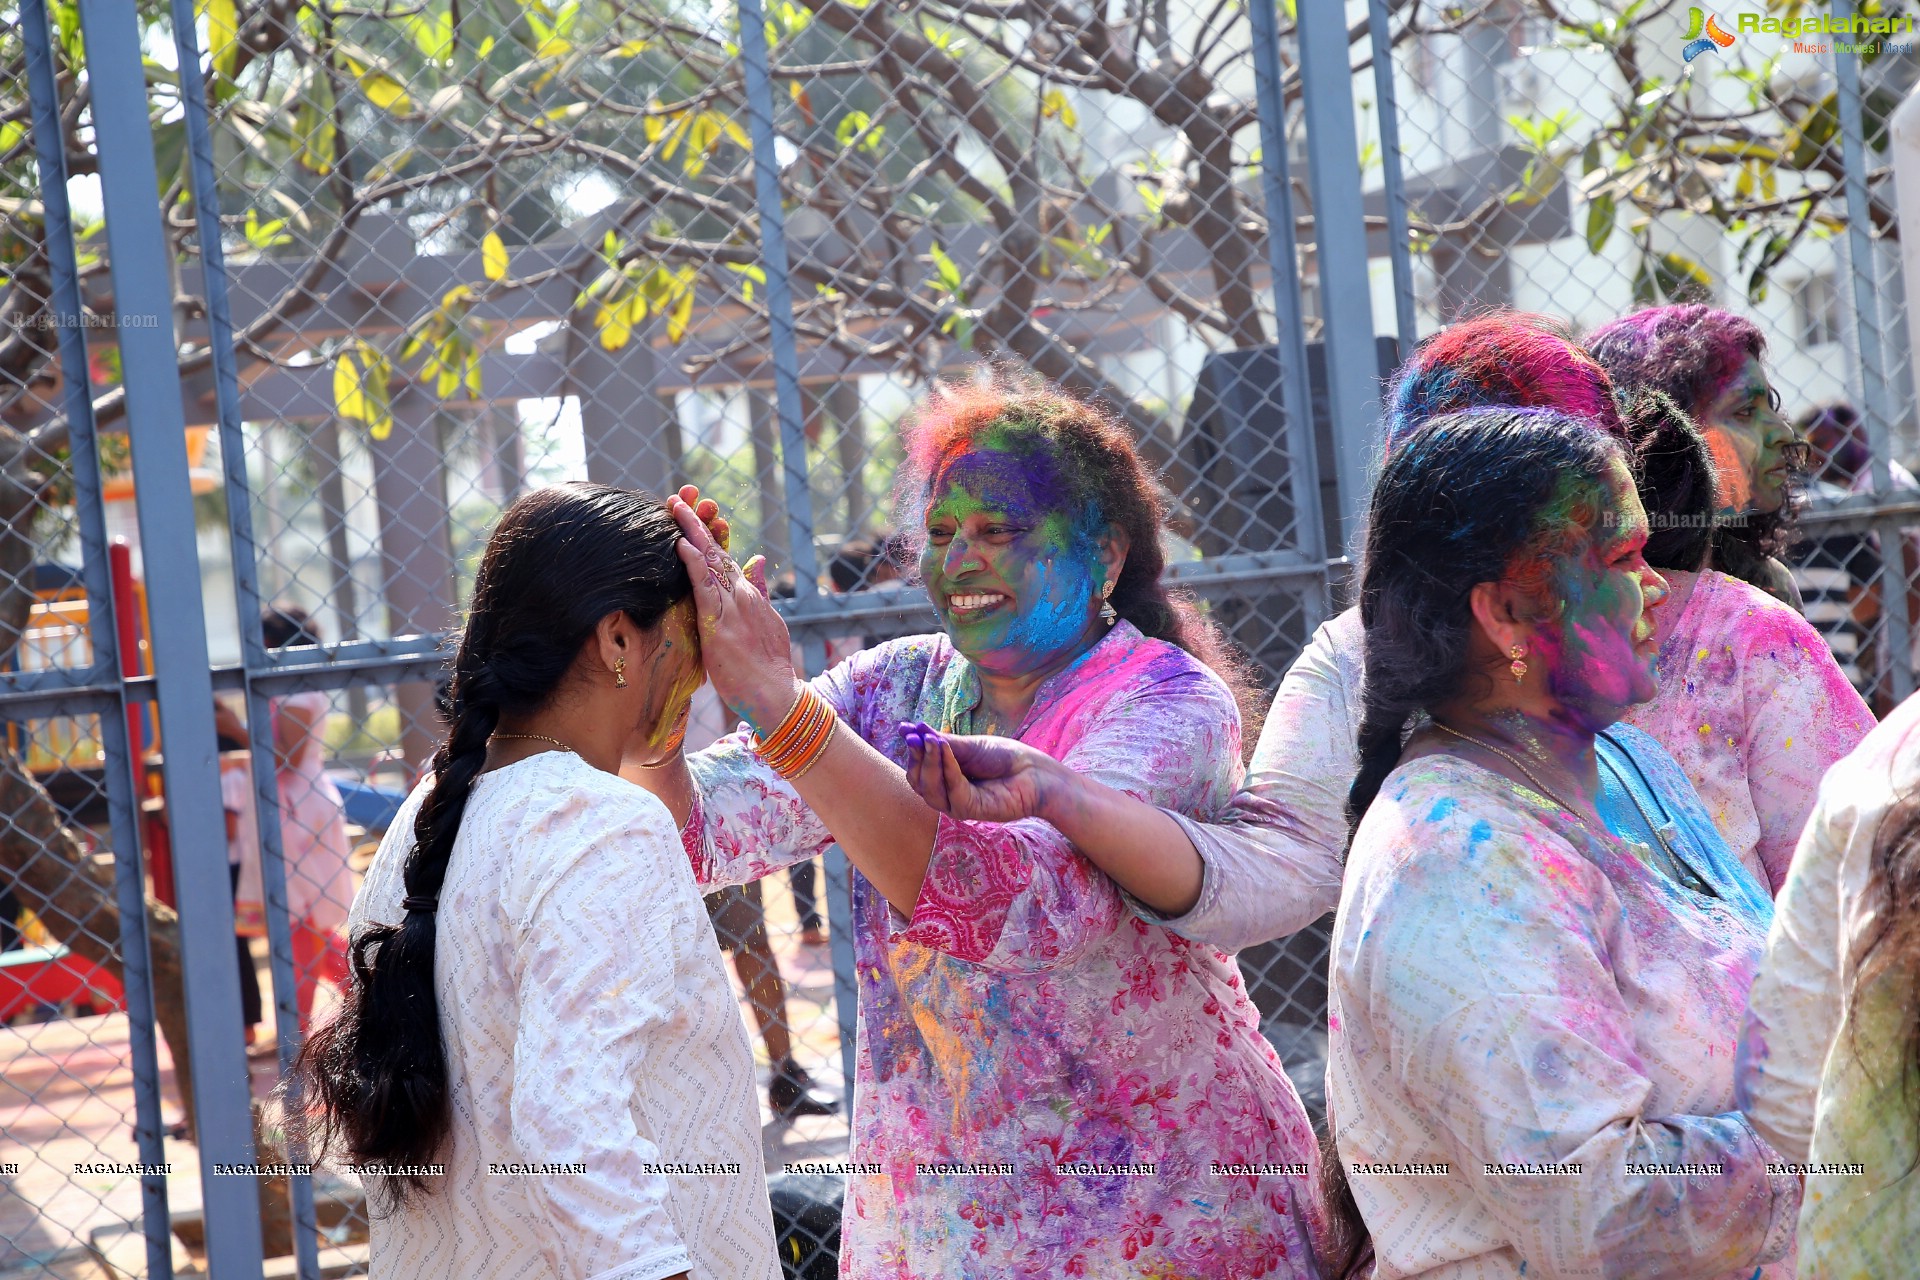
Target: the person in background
pixel 243 863
pixel 739 916
pixel 1831 1050
pixel 313 823
pixel 1708 362
pixel 1751 702
pixel 534 986
pixel 1841 572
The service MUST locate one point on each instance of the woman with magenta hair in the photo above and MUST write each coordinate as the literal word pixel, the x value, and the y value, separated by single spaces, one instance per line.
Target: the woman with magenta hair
pixel 1047 1085
pixel 1709 362
pixel 1752 702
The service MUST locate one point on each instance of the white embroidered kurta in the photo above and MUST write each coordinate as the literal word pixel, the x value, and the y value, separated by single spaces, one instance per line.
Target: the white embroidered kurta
pixel 588 1022
pixel 1819 1093
pixel 1531 1048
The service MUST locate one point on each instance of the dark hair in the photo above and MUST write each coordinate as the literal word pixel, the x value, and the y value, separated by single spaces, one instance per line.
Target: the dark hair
pixel 852 563
pixel 1891 949
pixel 1096 473
pixel 1691 352
pixel 1479 496
pixel 374 1078
pixel 1851 453
pixel 1673 470
pixel 287 624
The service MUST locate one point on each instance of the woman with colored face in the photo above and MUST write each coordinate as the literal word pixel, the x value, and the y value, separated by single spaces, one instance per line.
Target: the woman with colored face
pixel 1531 1013
pixel 1752 702
pixel 1708 362
pixel 1273 864
pixel 1047 1083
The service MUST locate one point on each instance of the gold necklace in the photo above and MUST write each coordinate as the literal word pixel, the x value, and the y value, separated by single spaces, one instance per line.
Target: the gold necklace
pixel 533 737
pixel 1519 764
pixel 1676 870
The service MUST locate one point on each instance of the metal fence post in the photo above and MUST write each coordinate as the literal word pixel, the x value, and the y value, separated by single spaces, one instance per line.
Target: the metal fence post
pixel 246 589
pixel 130 896
pixel 1873 382
pixel 1387 102
pixel 1296 394
pixel 793 463
pixel 1340 253
pixel 143 306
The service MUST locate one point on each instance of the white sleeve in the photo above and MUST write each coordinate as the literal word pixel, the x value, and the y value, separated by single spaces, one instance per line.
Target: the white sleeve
pixel 1272 865
pixel 597 987
pixel 1794 1009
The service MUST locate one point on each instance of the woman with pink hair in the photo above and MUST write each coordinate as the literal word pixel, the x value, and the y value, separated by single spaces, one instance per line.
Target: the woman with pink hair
pixel 1752 702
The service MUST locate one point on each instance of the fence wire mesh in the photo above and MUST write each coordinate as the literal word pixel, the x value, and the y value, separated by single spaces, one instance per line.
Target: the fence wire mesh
pixel 475 249
pixel 1587 159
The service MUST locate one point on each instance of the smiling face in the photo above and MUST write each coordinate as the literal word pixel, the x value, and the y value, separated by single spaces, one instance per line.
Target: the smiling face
pixel 1015 576
pixel 1750 441
pixel 1598 649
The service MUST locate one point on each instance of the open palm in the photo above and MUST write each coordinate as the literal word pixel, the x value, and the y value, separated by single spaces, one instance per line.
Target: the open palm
pixel 978 778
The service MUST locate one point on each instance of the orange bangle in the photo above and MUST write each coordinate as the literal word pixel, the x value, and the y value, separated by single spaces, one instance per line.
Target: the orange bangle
pixel 801 737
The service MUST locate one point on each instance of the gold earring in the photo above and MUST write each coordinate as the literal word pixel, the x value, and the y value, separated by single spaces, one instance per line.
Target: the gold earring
pixel 620 672
pixel 1107 613
pixel 1519 664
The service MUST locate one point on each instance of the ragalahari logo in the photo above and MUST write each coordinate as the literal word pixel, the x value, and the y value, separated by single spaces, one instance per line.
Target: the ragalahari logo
pixel 1704 32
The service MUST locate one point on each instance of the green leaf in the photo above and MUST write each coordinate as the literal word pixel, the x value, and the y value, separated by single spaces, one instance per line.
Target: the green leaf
pixel 12 134
pixel 432 35
pixel 1600 219
pixel 945 270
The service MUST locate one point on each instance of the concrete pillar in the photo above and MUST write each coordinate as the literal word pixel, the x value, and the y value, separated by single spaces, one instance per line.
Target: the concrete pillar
pixel 416 556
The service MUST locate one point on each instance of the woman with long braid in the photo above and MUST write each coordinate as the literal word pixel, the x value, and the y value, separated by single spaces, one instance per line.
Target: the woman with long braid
pixel 1532 1020
pixel 540 1068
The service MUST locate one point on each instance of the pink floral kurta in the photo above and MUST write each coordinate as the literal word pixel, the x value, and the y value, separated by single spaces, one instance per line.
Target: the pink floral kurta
pixel 1755 709
pixel 1088 1079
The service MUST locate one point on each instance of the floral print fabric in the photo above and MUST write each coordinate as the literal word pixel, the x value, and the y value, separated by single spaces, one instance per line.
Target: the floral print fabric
pixel 1047 1085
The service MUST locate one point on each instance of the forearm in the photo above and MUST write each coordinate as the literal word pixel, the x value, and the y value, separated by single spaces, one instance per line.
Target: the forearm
pixel 1138 846
pixel 865 801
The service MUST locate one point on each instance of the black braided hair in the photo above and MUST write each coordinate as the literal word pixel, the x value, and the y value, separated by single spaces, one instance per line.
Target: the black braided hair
pixel 373 1081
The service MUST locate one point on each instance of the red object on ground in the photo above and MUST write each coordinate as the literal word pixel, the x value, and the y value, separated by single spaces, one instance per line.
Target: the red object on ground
pixel 52 976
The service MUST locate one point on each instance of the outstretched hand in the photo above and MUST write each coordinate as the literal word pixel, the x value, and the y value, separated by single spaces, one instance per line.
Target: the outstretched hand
pixel 743 641
pixel 978 778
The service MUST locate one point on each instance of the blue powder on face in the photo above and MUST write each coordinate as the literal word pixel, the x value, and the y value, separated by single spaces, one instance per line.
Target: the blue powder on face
pixel 1058 615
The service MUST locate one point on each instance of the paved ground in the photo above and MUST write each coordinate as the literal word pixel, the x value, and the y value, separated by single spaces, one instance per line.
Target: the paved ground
pixel 66 1098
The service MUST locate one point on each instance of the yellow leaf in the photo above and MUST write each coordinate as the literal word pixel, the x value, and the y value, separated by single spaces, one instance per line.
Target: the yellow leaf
pixel 223 29
pixel 612 324
pixel 349 401
pixel 384 91
pixel 493 256
pixel 473 372
pixel 630 48
pixel 739 135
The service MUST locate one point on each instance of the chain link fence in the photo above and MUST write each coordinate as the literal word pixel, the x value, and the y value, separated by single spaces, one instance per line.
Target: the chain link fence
pixel 423 257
